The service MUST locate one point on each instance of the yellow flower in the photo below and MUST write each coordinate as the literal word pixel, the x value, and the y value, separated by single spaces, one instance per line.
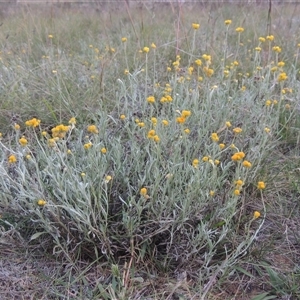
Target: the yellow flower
pixel 23 141
pixel 92 129
pixel 239 29
pixel 122 117
pixel 154 121
pixel 281 64
pixel 195 25
pixel 51 143
pixel 72 121
pixel 180 120
pixel 88 145
pixel 195 163
pixel 108 178
pixel 214 137
pixel 59 131
pixel 239 182
pixel 12 159
pixel 270 38
pixel 211 193
pixel 267 130
pixel 44 133
pixel 262 39
pixel 238 156
pixel 222 146
pixel 141 124
pixel 34 122
pixel 143 191
pixel 247 164
pixel 82 174
pixel 165 122
pixel 261 185
pixel 228 124
pixel 268 102
pixel 146 49
pixel 237 130
pixel 208 72
pixel 124 39
pixel 151 99
pixel 206 57
pixel 151 134
pixel 256 214
pixel 126 71
pixel 156 138
pixel 17 126
pixel 103 150
pixel 258 49
pixel 185 113
pixel 276 49
pixel 50 36
pixel 69 151
pixel 217 162
pixel 187 131
pixel 227 22
pixel 274 69
pixel 237 192
pixel 205 158
pixel 153 46
pixel 28 156
pixel 282 77
pixel 198 62
pixel 41 202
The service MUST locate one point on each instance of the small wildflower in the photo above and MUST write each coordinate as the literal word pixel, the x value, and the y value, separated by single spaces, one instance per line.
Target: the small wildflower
pixel 165 122
pixel 258 49
pixel 92 129
pixel 238 156
pixel 262 39
pixel 205 158
pixel 282 77
pixel 143 191
pixel 275 102
pixel 88 145
pixel 23 142
pixel 214 137
pixel 281 64
pixel 287 106
pixel 276 49
pixel 151 99
pixel 69 151
pixel 208 72
pixel 211 193
pixel 198 62
pixel 180 120
pixel 44 133
pixel 51 143
pixel 237 192
pixel 17 126
pixel 217 162
pixel 141 124
pixel 185 113
pixel 256 214
pixel 108 178
pixel 154 121
pixel 267 130
pixel 122 117
pixel 247 164
pixel 12 159
pixel 82 174
pixel 124 39
pixel 126 71
pixel 270 38
pixel 227 22
pixel 239 182
pixel 221 146
pixel 187 131
pixel 34 122
pixel 28 156
pixel 156 138
pixel 239 29
pixel 195 163
pixel 237 130
pixel 146 49
pixel 72 121
pixel 41 202
pixel 50 36
pixel 228 124
pixel 268 103
pixel 151 134
pixel 195 26
pixel 103 150
pixel 153 46
pixel 261 185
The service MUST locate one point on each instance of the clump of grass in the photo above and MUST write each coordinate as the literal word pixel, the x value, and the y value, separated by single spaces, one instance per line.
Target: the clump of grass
pixel 156 159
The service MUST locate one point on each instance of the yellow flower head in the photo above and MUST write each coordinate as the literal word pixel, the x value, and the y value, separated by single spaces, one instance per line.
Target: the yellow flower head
pixel 165 122
pixel 195 26
pixel 185 113
pixel 239 29
pixel 195 163
pixel 154 120
pixel 256 214
pixel 270 38
pixel 187 131
pixel 247 164
pixel 237 130
pixel 17 126
pixel 261 185
pixel 262 39
pixel 198 62
pixel 143 191
pixel 88 145
pixel 124 39
pixel 92 129
pixel 227 22
pixel 12 159
pixel 239 182
pixel 153 46
pixel 23 142
pixel 237 192
pixel 276 49
pixel 72 121
pixel 122 117
pixel 151 134
pixel 146 49
pixel 228 124
pixel 205 158
pixel 222 146
pixel 34 122
pixel 103 150
pixel 108 178
pixel 41 202
pixel 156 138
pixel 180 120
pixel 238 156
pixel 151 99
pixel 211 193
pixel 282 77
pixel 214 136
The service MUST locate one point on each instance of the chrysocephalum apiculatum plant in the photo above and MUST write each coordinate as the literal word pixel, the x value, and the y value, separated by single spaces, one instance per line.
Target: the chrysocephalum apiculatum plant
pixel 165 175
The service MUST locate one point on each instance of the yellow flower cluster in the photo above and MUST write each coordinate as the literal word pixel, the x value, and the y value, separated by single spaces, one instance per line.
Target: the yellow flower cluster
pixel 34 122
pixel 60 131
pixel 92 129
pixel 184 115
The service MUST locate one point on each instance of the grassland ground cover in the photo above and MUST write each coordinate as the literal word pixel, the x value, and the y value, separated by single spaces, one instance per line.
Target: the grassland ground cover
pixel 150 152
